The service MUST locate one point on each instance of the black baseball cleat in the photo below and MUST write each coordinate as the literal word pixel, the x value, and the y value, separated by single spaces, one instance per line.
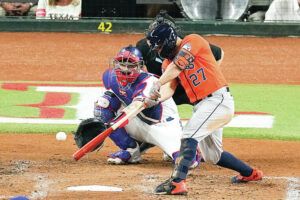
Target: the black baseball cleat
pixel 169 187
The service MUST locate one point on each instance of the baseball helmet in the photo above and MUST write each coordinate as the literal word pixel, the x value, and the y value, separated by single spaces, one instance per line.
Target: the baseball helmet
pixel 127 65
pixel 163 39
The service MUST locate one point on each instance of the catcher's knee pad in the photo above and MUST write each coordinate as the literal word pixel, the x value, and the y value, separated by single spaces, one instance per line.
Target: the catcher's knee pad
pixel 106 106
pixel 121 138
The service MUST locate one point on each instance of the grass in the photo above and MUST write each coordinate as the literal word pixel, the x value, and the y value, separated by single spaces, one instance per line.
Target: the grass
pixel 281 101
pixel 36 128
pixel 12 103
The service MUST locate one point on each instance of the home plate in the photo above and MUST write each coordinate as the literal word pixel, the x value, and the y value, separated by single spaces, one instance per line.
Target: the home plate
pixel 95 188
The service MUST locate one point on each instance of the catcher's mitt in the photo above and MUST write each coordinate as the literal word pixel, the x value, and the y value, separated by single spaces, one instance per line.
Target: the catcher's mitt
pixel 87 130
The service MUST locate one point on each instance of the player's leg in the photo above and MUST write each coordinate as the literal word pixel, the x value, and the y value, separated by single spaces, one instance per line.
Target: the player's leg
pixel 209 115
pixel 129 152
pixel 166 135
pixel 212 150
pixel 170 111
pixel 138 130
pixel 211 146
pixel 152 135
pixel 105 109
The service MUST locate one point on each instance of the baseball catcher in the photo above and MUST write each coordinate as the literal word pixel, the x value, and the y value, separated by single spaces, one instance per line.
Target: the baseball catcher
pixel 128 86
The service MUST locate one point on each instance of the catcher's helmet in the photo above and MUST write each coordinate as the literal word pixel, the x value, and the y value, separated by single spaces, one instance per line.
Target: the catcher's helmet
pixel 127 65
pixel 162 18
pixel 163 39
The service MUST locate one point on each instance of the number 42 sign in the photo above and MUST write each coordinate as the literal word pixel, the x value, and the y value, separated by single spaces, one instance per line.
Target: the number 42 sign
pixel 105 27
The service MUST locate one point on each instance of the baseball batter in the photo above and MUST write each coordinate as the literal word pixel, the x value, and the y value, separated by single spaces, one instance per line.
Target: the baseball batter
pixel 159 125
pixel 190 62
pixel 153 61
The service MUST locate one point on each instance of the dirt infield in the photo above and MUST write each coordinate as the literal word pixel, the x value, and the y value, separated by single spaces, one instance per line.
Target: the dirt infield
pixel 40 167
pixel 81 57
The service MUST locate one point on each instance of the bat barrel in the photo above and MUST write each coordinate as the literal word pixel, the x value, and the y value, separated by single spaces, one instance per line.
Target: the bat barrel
pixel 101 137
pixel 92 144
pixel 79 154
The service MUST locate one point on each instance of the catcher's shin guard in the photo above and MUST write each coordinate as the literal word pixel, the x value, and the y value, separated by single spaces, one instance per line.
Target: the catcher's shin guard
pixel 122 139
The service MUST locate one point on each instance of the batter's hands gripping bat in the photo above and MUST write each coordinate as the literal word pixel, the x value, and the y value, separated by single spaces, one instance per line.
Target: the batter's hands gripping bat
pixel 129 112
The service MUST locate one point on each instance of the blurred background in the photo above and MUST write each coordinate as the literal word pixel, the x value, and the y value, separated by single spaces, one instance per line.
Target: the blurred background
pixel 221 10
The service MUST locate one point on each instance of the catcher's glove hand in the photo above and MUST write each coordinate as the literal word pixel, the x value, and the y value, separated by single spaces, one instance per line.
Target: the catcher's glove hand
pixel 87 130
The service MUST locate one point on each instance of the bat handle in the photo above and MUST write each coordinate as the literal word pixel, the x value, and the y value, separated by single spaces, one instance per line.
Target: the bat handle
pixel 128 115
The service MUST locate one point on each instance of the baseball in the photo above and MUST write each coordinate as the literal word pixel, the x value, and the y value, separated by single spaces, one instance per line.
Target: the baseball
pixel 61 136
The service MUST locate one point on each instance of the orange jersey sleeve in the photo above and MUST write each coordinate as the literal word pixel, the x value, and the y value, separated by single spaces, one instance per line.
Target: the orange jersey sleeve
pixel 200 74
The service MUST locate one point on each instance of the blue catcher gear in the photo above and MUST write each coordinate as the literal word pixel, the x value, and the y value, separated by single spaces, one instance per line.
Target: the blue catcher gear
pixel 163 39
pixel 105 109
pixel 127 65
pixel 107 106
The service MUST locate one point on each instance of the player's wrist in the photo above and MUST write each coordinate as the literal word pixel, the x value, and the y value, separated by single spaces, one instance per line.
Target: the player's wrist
pixel 159 83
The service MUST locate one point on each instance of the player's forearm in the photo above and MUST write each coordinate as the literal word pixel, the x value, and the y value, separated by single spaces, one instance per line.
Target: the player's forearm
pixel 168 90
pixel 171 73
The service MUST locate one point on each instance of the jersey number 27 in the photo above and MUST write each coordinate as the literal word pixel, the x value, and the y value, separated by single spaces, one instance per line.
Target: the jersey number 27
pixel 198 77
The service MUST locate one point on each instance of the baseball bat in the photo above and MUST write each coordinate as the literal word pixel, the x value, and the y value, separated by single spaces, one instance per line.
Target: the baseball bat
pixel 101 137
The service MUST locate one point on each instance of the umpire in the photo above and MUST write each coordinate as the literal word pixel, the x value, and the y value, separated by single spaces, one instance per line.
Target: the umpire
pixel 154 62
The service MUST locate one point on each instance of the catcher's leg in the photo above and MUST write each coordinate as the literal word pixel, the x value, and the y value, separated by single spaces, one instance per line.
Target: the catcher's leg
pixel 144 146
pixel 106 108
pixel 130 150
pixel 213 152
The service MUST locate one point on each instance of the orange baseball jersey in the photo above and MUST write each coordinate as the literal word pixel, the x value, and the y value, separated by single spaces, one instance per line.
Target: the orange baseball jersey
pixel 200 74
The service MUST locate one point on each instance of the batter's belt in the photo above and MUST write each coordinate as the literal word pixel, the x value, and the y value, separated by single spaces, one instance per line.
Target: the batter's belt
pixel 212 94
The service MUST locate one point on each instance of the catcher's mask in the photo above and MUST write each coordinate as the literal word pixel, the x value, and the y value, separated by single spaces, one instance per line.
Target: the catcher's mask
pixel 162 39
pixel 127 65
